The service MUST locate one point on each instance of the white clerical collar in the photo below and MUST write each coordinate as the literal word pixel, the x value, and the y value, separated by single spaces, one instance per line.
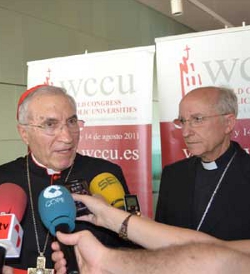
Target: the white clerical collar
pixel 49 170
pixel 209 166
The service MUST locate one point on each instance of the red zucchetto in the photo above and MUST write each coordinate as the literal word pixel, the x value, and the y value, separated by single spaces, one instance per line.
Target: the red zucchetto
pixel 25 94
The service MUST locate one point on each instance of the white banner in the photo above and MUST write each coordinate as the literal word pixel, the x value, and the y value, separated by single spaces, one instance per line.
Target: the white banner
pixel 184 62
pixel 111 88
pixel 113 91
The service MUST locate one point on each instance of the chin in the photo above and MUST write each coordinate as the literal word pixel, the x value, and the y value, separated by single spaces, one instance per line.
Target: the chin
pixel 196 152
pixel 63 164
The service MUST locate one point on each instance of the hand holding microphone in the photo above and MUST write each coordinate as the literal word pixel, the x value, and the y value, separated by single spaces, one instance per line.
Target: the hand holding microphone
pixel 104 184
pixel 58 212
pixel 103 210
pixel 109 187
pixel 98 207
pixel 111 190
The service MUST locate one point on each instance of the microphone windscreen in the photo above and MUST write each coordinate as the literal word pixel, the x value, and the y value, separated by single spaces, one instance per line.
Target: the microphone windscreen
pixel 13 200
pixel 57 207
pixel 108 186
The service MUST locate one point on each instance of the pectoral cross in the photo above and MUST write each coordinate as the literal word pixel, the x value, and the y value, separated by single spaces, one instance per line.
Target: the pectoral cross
pixel 40 267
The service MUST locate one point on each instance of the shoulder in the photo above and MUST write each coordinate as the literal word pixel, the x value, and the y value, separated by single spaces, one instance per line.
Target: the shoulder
pixel 182 164
pixel 88 160
pixel 242 160
pixel 19 162
pixel 241 151
pixel 12 171
pixel 242 155
pixel 90 167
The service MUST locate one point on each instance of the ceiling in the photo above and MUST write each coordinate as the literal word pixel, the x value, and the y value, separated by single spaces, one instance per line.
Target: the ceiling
pixel 232 13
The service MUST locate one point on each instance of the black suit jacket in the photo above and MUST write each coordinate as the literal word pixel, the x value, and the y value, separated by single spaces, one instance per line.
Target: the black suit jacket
pixel 229 215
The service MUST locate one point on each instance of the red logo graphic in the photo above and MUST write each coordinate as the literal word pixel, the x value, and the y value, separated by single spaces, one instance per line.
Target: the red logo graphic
pixel 48 80
pixel 5 222
pixel 18 242
pixel 188 75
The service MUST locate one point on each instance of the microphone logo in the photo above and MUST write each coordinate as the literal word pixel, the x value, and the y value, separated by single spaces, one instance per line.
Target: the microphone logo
pixel 53 195
pixel 52 192
pixel 107 185
pixel 11 235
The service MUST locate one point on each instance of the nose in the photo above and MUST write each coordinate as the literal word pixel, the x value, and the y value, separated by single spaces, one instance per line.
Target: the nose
pixel 187 129
pixel 65 134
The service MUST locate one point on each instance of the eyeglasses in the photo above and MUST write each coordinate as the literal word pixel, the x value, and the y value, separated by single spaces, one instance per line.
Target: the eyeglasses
pixel 194 121
pixel 52 127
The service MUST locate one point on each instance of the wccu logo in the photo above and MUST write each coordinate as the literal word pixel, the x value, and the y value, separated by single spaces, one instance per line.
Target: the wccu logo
pixel 52 192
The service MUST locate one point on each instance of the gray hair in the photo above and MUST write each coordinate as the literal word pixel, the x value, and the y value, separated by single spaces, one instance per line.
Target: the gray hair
pixel 23 108
pixel 227 101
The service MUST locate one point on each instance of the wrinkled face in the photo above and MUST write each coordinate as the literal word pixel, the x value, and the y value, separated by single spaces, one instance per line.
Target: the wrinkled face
pixel 53 151
pixel 211 138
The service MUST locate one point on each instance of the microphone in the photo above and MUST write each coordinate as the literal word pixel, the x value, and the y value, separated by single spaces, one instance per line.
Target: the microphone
pixel 58 212
pixel 2 258
pixel 13 201
pixel 107 185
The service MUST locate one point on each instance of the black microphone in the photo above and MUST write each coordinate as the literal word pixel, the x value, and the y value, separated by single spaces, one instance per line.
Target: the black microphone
pixel 58 212
pixel 2 258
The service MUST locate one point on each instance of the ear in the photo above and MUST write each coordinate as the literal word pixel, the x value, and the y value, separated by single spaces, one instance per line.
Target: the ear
pixel 230 121
pixel 23 133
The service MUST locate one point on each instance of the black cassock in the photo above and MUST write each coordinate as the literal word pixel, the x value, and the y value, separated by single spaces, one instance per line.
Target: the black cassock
pixel 84 167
